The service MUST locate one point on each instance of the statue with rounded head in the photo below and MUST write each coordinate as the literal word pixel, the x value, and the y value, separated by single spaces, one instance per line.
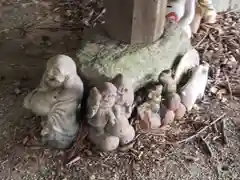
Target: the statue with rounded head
pixel 108 109
pixel 56 100
pixel 125 95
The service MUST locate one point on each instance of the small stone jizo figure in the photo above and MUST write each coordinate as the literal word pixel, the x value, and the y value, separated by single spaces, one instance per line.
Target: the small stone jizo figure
pixel 122 110
pixel 149 112
pixel 125 94
pixel 99 113
pixel 107 116
pixel 56 100
pixel 194 89
pixel 182 12
pixel 171 107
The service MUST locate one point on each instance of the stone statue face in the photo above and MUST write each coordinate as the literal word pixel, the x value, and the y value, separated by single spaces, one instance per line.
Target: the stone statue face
pixel 54 77
pixel 109 94
pixel 59 69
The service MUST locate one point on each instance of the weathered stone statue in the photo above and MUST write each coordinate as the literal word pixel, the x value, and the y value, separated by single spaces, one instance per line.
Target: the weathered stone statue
pixel 99 113
pixel 189 60
pixel 149 112
pixel 99 106
pixel 122 110
pixel 56 100
pixel 195 87
pixel 108 109
pixel 167 81
pixel 205 12
pixel 182 12
pixel 171 108
pixel 125 94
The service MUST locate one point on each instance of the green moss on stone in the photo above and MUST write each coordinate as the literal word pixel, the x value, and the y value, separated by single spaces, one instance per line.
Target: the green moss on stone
pixel 103 58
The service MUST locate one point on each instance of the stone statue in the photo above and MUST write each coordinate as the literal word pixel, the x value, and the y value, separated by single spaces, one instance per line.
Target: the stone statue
pixel 108 109
pixel 122 110
pixel 205 12
pixel 125 94
pixel 195 87
pixel 169 84
pixel 149 112
pixel 56 100
pixel 171 108
pixel 99 113
pixel 189 60
pixel 182 12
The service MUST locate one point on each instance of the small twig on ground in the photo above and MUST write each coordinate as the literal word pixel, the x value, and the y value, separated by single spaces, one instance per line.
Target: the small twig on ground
pixel 212 27
pixel 215 129
pixel 200 42
pixel 224 137
pixel 77 158
pixel 206 146
pixel 155 132
pixel 201 130
pixel 129 145
pixel 38 146
pixel 232 10
pixel 229 86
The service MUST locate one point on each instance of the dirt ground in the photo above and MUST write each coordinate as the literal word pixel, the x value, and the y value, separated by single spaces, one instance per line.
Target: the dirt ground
pixel 30 33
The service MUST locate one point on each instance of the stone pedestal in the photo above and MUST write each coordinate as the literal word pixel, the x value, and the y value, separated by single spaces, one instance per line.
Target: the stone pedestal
pixel 103 58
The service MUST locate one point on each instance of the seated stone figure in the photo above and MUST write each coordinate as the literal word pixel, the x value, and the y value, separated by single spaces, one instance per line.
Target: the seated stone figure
pixel 182 12
pixel 189 13
pixel 205 12
pixel 122 111
pixel 56 100
pixel 99 113
pixel 108 112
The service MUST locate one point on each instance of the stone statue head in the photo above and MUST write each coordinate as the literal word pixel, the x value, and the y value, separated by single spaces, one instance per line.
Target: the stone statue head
pixel 165 76
pixel 119 83
pixel 108 92
pixel 58 70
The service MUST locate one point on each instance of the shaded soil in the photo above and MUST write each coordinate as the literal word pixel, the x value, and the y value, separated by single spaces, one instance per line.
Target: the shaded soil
pixel 30 33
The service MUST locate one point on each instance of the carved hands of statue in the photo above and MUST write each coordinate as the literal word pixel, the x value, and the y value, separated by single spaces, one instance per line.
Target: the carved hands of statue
pixel 100 103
